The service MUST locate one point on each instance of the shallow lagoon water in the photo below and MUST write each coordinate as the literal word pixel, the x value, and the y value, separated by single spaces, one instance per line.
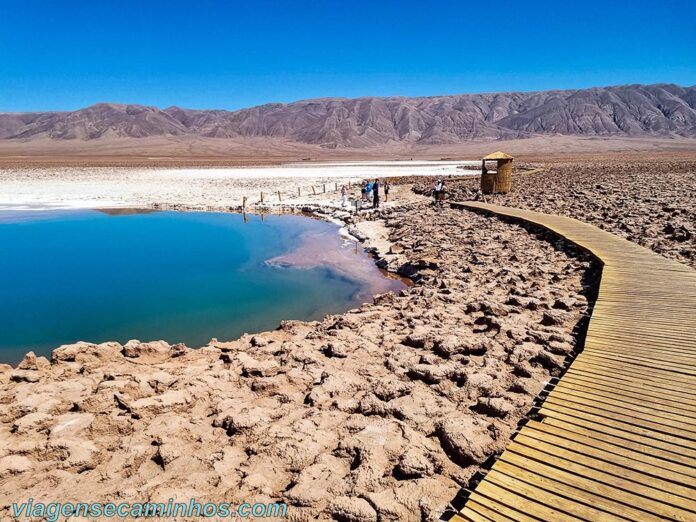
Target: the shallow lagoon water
pixel 67 276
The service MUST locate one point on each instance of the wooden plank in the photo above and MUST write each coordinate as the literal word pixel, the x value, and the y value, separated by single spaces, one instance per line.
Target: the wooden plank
pixel 676 318
pixel 656 333
pixel 688 382
pixel 550 497
pixel 682 468
pixel 643 307
pixel 525 499
pixel 639 434
pixel 571 499
pixel 646 349
pixel 624 468
pixel 660 356
pixel 599 483
pixel 497 511
pixel 636 331
pixel 637 361
pixel 567 391
pixel 479 512
pixel 607 377
pixel 645 395
pixel 471 515
pixel 632 418
pixel 645 346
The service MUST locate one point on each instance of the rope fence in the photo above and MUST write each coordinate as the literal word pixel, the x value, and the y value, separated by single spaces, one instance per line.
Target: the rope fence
pixel 278 196
pixel 273 198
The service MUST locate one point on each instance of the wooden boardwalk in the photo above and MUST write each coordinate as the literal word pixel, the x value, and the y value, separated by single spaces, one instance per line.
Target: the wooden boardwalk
pixel 616 439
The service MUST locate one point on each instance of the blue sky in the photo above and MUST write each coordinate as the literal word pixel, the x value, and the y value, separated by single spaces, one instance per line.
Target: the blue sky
pixel 61 55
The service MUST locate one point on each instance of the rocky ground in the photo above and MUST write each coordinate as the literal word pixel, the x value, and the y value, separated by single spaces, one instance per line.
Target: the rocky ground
pixel 381 413
pixel 652 203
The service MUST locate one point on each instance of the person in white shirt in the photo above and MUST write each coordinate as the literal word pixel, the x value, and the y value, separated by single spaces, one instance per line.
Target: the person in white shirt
pixel 436 190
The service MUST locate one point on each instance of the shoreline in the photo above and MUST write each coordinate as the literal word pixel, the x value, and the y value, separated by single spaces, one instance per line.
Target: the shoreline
pixel 347 232
pixel 344 238
pixel 259 188
pixel 352 353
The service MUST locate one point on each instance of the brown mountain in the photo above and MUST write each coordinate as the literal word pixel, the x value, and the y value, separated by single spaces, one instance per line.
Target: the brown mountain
pixel 662 110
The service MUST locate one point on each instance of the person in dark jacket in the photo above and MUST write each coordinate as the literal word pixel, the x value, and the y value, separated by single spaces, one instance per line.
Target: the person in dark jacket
pixel 375 194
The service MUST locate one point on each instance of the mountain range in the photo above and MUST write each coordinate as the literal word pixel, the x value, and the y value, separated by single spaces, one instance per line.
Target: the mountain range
pixel 662 110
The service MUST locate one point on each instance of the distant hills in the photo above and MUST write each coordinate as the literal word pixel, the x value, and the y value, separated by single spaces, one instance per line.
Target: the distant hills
pixel 663 110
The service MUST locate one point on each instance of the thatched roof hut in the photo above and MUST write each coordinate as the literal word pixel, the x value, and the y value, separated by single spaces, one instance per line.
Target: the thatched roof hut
pixel 497 155
pixel 499 181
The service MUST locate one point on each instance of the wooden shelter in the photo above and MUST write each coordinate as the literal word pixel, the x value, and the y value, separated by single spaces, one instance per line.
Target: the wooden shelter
pixel 500 181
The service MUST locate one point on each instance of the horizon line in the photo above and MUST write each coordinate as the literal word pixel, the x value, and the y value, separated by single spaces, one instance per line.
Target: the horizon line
pixel 322 98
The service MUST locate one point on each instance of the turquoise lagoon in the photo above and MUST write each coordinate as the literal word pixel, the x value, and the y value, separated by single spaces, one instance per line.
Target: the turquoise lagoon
pixel 98 276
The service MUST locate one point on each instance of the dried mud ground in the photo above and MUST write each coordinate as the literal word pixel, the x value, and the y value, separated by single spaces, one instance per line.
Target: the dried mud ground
pixel 649 202
pixel 381 413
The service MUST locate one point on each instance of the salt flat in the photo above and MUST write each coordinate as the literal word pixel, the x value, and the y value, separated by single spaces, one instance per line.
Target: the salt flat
pixel 85 187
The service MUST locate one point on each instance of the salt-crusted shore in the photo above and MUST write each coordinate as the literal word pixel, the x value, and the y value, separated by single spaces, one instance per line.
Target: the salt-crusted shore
pixel 383 412
pixel 222 189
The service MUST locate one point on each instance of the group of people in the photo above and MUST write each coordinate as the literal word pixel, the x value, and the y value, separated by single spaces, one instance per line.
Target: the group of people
pixel 369 192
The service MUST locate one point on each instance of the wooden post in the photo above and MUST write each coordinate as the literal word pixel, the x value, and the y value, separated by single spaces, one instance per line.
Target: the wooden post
pixel 244 199
pixel 299 191
pixel 261 197
pixel 324 188
pixel 336 188
pixel 279 198
pixel 349 184
pixel 314 191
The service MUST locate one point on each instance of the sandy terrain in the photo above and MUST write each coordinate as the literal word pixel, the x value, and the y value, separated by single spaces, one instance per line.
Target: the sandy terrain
pixel 186 151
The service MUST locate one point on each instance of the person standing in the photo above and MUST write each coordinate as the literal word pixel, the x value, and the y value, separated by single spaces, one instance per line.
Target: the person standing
pixel 436 191
pixel 375 191
pixel 363 191
pixel 441 195
pixel 386 190
pixel 344 196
